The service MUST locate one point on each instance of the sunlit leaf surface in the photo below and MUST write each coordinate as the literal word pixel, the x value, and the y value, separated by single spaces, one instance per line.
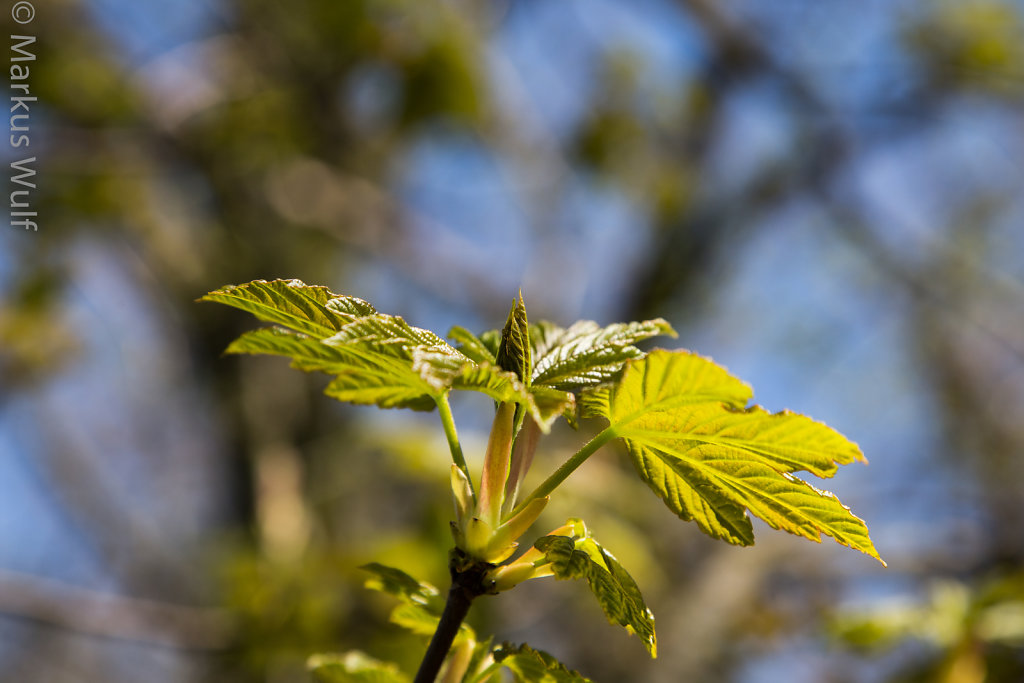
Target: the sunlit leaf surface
pixel 586 354
pixel 353 667
pixel 711 460
pixel 535 666
pixel 379 359
pixel 581 557
pixel 399 584
pixel 312 310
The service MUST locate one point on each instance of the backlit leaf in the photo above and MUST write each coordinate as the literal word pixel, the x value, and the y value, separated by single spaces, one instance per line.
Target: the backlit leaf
pixel 415 619
pixel 399 584
pixel 379 359
pixel 672 379
pixel 710 460
pixel 584 355
pixel 315 311
pixel 367 372
pixel 421 605
pixel 581 557
pixel 384 370
pixel 442 369
pixel 514 351
pixel 307 353
pixel 544 404
pixel 353 667
pixel 587 354
pixel 534 666
pixel 787 441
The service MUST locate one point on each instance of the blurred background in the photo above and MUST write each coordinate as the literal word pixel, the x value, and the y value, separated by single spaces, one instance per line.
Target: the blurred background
pixel 825 197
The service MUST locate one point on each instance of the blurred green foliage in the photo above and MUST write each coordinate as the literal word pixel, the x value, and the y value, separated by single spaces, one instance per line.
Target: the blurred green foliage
pixel 973 45
pixel 274 145
pixel 973 634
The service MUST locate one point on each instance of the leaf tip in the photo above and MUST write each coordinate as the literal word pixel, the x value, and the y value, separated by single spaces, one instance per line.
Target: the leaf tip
pixel 665 328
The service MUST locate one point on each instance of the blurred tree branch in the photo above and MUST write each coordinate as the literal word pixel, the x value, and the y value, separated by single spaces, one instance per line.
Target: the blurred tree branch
pixel 108 615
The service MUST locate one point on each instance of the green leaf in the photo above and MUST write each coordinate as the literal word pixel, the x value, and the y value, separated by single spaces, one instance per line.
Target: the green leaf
pixel 387 366
pixel 709 460
pixel 353 667
pixel 367 372
pixel 421 606
pixel 482 349
pixel 423 621
pixel 399 584
pixel 534 666
pixel 315 311
pixel 550 403
pixel 563 361
pixel 586 354
pixel 787 441
pixel 514 351
pixel 544 404
pixel 379 359
pixel 481 653
pixel 416 619
pixel 372 355
pixel 443 370
pixel 671 379
pixel 582 557
pixel 307 353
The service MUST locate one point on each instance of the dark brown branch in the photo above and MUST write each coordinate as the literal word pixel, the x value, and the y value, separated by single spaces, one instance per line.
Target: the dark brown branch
pixel 467 585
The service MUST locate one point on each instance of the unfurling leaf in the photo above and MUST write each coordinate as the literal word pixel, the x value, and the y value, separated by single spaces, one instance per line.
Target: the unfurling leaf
pixel 514 351
pixel 462 494
pixel 586 354
pixel 378 359
pixel 535 666
pixel 581 557
pixel 710 460
pixel 399 584
pixel 563 361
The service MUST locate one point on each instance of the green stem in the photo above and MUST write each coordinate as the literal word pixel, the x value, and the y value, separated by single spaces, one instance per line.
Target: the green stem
pixel 567 468
pixel 448 422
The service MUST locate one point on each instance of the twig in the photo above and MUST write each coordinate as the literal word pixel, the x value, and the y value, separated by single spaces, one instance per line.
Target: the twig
pixel 467 585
